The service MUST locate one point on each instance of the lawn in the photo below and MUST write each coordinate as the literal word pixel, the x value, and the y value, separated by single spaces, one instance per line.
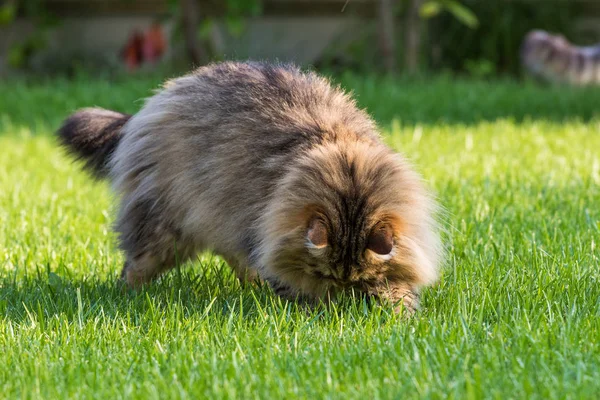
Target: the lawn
pixel 516 313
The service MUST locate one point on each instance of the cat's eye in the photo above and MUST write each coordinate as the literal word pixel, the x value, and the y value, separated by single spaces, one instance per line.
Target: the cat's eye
pixel 381 240
pixel 317 233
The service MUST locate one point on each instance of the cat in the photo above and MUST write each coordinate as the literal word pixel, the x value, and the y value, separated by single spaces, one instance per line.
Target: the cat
pixel 272 168
pixel 553 58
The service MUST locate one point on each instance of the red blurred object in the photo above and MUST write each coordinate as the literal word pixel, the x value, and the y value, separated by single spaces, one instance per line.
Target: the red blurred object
pixel 132 53
pixel 154 43
pixel 144 47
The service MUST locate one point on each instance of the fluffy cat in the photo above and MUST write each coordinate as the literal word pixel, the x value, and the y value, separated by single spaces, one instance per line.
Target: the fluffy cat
pixel 272 168
pixel 554 59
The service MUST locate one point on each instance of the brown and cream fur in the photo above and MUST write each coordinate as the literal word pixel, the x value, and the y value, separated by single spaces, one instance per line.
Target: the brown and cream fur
pixel 272 168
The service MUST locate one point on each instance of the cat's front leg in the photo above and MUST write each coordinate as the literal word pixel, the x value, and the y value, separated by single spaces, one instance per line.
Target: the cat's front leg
pixel 243 272
pixel 288 293
pixel 403 296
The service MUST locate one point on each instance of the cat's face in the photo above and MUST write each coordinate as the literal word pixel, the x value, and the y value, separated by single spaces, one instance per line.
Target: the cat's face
pixel 350 251
pixel 351 217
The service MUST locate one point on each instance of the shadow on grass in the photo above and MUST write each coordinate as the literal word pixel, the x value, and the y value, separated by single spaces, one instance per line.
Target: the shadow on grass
pixel 183 291
pixel 181 294
pixel 452 100
pixel 42 106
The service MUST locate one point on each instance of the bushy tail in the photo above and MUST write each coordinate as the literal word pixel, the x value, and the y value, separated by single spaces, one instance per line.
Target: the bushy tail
pixel 92 134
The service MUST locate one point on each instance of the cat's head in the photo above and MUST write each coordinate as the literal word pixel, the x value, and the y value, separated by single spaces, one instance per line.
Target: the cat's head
pixel 350 215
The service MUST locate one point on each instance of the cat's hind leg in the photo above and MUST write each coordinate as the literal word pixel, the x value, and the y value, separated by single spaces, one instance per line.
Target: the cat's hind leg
pixel 151 245
pixel 144 268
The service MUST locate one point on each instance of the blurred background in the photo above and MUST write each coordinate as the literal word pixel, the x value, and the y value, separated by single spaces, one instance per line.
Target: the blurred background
pixel 480 38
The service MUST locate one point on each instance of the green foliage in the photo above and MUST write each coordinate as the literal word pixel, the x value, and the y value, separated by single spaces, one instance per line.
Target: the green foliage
pixel 362 56
pixel 498 38
pixel 515 315
pixel 233 13
pixel 480 68
pixel 236 13
pixel 432 8
pixel 20 52
pixel 8 12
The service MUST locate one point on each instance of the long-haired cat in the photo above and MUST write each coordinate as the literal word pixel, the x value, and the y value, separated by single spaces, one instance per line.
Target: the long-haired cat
pixel 272 168
pixel 556 60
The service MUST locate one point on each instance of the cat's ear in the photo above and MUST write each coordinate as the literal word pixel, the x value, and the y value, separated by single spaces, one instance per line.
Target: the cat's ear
pixel 381 239
pixel 316 235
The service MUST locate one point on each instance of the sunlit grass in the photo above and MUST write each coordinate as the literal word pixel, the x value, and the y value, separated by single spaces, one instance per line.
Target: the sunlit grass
pixel 515 315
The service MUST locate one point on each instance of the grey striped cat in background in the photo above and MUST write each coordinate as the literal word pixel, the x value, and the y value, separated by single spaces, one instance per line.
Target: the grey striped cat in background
pixel 553 58
pixel 272 168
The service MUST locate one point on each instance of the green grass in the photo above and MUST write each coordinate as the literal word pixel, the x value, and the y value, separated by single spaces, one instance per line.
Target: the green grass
pixel 515 315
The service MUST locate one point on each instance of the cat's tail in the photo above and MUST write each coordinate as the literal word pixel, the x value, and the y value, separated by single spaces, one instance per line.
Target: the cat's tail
pixel 92 135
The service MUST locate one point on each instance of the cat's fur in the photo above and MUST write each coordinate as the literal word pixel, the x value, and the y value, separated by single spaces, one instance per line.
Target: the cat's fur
pixel 272 168
pixel 553 58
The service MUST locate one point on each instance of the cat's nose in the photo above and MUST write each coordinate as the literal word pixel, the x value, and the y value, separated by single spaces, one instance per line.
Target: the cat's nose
pixel 354 275
pixel 348 274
